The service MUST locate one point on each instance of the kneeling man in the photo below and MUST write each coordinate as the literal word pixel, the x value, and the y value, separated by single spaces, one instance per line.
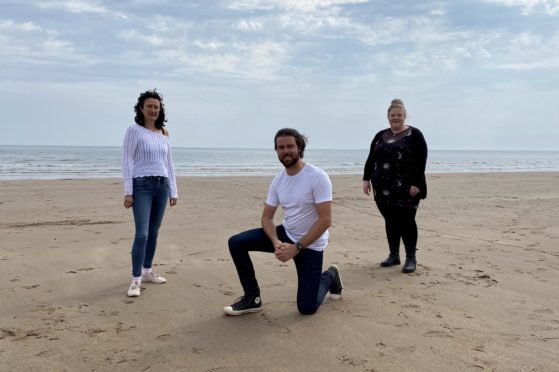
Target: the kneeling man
pixel 305 194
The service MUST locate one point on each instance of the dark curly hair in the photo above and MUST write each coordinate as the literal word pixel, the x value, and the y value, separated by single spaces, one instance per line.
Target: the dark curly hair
pixel 300 139
pixel 139 119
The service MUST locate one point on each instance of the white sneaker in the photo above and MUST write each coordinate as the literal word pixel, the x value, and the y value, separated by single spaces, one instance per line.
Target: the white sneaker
pixel 153 278
pixel 135 288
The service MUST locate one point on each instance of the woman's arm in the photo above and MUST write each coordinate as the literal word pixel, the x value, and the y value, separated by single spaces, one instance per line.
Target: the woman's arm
pixel 369 164
pixel 172 177
pixel 129 145
pixel 419 162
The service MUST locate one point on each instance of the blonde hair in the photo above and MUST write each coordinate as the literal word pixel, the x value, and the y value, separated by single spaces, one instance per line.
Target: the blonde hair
pixel 397 103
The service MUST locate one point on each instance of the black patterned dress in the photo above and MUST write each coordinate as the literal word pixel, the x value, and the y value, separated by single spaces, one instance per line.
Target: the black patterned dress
pixel 395 163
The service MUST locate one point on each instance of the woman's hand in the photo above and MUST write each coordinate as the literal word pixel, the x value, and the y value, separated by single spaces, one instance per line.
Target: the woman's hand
pixel 414 190
pixel 128 201
pixel 173 202
pixel 367 187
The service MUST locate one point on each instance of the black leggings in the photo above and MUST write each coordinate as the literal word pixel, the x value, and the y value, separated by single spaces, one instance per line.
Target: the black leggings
pixel 399 223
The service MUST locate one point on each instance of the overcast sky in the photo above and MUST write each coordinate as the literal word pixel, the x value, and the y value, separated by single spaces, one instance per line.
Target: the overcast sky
pixel 476 74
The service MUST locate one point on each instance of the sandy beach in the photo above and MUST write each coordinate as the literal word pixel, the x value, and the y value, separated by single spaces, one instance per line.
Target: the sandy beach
pixel 484 297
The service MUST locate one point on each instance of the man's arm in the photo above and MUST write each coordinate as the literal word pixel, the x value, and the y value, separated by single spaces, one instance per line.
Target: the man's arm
pixel 269 226
pixel 324 221
pixel 322 224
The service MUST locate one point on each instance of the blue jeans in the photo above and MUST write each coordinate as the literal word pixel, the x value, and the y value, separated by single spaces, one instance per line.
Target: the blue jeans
pixel 313 284
pixel 151 195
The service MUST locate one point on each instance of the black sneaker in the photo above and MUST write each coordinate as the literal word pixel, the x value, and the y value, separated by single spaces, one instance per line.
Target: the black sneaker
pixel 243 305
pixel 337 285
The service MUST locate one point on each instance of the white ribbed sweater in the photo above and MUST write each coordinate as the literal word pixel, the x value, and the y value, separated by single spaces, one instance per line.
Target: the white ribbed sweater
pixel 146 153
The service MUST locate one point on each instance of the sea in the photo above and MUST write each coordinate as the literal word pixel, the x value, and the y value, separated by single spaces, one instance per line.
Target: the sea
pixel 72 162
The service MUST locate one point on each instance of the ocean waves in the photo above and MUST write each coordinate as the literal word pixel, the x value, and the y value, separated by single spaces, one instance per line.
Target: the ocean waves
pixel 50 162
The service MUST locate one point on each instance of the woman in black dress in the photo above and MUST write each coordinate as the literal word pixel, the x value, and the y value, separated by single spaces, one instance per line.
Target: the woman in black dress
pixel 395 171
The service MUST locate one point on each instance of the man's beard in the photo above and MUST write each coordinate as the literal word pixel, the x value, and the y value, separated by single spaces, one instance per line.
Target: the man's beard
pixel 289 163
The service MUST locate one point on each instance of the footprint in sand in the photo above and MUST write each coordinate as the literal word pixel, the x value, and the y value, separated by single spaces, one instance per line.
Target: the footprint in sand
pixel 217 369
pixel 197 350
pixel 439 334
pixel 543 311
pixel 19 335
pixel 75 271
pixel 351 361
pixel 6 332
pixel 404 349
pixel 541 328
pixel 94 331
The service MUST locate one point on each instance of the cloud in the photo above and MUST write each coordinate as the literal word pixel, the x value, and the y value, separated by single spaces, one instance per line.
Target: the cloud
pixel 29 43
pixel 77 7
pixel 312 40
pixel 248 25
pixel 161 24
pixel 437 12
pixel 211 63
pixel 57 47
pixel 155 40
pixel 315 23
pixel 209 45
pixel 259 61
pixel 293 5
pixel 8 24
pixel 152 39
pixel 540 65
pixel 186 54
pixel 528 51
pixel 42 52
pixel 550 7
pixel 298 16
pixel 526 39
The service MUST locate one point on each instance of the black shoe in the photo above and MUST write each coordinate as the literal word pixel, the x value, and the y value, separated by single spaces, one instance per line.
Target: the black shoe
pixel 243 305
pixel 390 261
pixel 409 265
pixel 337 285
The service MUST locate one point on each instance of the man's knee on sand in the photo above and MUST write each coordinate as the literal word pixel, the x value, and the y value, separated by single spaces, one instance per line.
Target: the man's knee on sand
pixel 305 309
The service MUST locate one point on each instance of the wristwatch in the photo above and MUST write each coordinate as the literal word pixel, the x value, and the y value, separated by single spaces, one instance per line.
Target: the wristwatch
pixel 299 246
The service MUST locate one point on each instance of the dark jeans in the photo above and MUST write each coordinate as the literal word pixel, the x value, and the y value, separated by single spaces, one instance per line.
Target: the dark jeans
pixel 400 224
pixel 151 195
pixel 313 284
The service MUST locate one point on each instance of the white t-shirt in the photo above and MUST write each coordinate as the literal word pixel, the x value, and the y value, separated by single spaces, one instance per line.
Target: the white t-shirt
pixel 298 195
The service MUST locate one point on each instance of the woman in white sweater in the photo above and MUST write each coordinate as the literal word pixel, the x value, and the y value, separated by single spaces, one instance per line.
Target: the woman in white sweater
pixel 149 181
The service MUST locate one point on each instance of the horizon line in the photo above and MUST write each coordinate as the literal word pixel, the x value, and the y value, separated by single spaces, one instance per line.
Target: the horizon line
pixel 269 148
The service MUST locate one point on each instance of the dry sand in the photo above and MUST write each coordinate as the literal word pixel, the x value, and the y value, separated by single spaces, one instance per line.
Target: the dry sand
pixel 485 295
